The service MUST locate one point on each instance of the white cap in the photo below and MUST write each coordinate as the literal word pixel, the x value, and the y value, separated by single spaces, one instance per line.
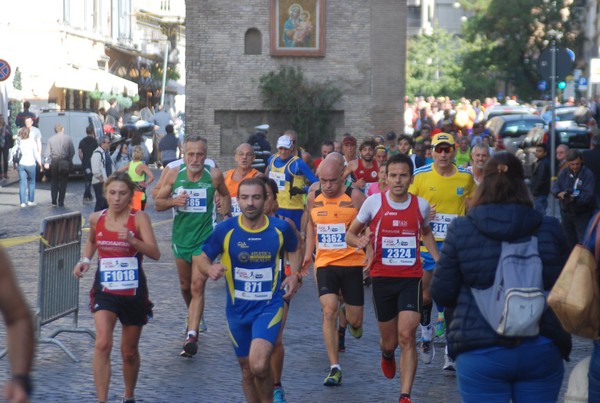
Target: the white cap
pixel 264 127
pixel 284 141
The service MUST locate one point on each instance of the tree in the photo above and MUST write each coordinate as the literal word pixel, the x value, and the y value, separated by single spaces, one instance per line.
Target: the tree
pixel 306 105
pixel 434 65
pixel 510 35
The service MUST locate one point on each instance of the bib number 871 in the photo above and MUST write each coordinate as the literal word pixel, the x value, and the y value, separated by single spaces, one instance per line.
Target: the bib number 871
pixel 253 286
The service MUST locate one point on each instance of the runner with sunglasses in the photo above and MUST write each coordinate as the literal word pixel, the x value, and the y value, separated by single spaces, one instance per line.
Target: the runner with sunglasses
pixel 447 188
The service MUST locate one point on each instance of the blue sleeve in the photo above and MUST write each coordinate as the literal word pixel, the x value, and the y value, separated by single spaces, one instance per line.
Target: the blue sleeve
pixel 304 169
pixel 213 246
pixel 587 188
pixel 290 240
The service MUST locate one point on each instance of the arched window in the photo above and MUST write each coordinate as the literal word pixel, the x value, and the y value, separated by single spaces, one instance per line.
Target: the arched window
pixel 253 42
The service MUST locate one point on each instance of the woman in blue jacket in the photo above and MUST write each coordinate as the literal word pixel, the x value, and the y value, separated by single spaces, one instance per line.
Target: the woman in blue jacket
pixel 490 367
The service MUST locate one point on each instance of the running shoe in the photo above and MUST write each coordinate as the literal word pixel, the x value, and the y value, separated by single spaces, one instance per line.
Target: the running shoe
pixel 426 351
pixel 279 395
pixel 388 366
pixel 355 332
pixel 203 327
pixel 341 342
pixel 334 378
pixel 190 347
pixel 449 364
pixel 405 399
pixel 440 325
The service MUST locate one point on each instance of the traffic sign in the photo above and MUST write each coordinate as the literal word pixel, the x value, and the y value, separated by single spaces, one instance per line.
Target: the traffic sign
pixel 564 64
pixel 582 83
pixel 4 70
pixel 542 85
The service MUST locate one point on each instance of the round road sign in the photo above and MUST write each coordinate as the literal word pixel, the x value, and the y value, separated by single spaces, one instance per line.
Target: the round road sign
pixel 4 70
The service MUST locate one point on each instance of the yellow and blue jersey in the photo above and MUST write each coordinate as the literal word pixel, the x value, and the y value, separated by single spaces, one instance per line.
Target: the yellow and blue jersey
pixel 251 259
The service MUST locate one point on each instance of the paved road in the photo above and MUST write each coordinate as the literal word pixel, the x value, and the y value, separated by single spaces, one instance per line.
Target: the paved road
pixel 213 375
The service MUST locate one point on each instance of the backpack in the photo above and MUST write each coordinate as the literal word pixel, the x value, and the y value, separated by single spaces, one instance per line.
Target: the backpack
pixel 17 154
pixel 514 304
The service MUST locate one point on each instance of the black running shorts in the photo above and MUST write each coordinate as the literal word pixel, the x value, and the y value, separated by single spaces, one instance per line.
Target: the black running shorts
pixel 392 295
pixel 348 279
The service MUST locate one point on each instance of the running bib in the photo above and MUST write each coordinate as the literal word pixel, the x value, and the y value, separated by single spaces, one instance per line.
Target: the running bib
pixel 196 202
pixel 439 225
pixel 279 178
pixel 119 273
pixel 253 284
pixel 399 250
pixel 235 207
pixel 331 236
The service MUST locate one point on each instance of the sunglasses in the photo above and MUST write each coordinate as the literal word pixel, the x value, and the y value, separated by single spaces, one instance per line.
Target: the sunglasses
pixel 443 148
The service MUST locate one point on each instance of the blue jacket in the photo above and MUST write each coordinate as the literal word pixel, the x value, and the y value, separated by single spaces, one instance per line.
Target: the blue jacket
pixel 469 258
pixel 582 185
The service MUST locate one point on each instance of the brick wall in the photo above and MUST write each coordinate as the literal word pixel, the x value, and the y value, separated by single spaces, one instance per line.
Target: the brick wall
pixel 365 57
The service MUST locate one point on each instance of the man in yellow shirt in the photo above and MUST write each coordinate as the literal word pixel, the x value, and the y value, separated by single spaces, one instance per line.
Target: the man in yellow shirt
pixel 447 188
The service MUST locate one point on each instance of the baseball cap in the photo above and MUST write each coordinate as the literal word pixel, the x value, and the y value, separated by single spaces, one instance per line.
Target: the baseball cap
pixel 391 136
pixel 442 138
pixel 264 127
pixel 284 141
pixel 349 140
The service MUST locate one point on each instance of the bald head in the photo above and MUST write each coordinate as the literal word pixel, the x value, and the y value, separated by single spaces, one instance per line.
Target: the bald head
pixel 331 167
pixel 244 156
pixel 330 178
pixel 335 157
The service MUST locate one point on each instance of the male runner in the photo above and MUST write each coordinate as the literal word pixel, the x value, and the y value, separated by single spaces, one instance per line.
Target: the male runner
pixel 244 157
pixel 250 246
pixel 447 188
pixel 290 172
pixel 191 188
pixel 331 210
pixel 365 169
pixel 397 221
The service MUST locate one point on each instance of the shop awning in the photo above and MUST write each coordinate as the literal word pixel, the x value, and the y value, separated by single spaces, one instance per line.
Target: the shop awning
pixel 92 80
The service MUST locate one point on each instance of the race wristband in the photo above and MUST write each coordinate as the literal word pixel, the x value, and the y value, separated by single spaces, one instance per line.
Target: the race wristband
pixel 85 260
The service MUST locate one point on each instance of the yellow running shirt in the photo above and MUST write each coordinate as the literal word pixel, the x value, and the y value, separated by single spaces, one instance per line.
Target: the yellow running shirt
pixel 447 194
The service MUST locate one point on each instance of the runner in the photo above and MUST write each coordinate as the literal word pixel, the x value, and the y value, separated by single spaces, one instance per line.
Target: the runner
pixel 244 157
pixel 447 188
pixel 250 247
pixel 191 189
pixel 331 210
pixel 397 220
pixel 290 173
pixel 277 357
pixel 122 236
pixel 364 169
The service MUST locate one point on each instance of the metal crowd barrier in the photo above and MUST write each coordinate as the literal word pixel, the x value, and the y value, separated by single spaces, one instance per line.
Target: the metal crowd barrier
pixel 58 290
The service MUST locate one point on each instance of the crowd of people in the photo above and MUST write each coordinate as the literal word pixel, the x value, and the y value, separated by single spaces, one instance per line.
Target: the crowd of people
pixel 421 217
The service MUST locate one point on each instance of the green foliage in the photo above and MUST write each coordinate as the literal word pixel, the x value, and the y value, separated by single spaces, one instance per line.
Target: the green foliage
pixel 434 65
pixel 306 105
pixel 17 84
pixel 512 33
pixel 156 70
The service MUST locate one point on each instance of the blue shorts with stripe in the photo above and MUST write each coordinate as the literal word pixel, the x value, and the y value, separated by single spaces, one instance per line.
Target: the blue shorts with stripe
pixel 262 323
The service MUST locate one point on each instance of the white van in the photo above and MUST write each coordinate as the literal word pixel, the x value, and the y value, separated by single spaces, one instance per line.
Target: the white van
pixel 75 123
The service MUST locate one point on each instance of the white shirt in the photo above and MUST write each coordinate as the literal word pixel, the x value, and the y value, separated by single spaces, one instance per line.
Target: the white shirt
pixel 30 152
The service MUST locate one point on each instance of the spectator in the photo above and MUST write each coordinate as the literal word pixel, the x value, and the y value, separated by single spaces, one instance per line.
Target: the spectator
pixel 490 367
pixel 574 189
pixel 262 148
pixel 6 143
pixel 87 145
pixel 21 116
pixel 168 146
pixel 100 168
pixel 30 159
pixel 561 157
pixel 591 159
pixel 59 152
pixel 540 180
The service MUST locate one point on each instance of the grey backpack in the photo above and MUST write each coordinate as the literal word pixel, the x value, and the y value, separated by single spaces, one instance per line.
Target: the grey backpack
pixel 514 304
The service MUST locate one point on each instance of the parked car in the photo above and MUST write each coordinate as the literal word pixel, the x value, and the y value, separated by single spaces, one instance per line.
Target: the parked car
pixel 501 110
pixel 511 130
pixel 75 123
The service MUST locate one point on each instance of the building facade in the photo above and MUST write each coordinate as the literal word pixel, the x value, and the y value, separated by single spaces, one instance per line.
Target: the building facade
pixel 363 55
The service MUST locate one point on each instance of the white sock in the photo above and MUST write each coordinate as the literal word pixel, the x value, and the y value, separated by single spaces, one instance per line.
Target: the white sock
pixel 192 333
pixel 336 366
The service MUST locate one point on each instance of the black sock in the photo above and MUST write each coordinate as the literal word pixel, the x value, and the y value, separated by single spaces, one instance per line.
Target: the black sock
pixel 426 314
pixel 341 330
pixel 404 394
pixel 387 356
pixel 278 385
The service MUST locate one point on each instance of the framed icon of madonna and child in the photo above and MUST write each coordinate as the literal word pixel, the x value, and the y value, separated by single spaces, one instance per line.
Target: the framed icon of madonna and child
pixel 298 28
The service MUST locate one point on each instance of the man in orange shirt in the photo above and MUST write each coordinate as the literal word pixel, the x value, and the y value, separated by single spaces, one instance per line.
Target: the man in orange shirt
pixel 244 157
pixel 331 210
